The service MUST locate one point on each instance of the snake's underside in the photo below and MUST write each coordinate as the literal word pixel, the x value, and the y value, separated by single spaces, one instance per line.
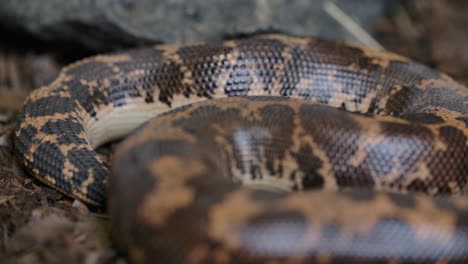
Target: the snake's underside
pixel 375 145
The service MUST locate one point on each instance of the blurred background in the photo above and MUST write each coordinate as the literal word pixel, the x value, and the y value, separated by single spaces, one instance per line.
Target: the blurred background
pixel 39 37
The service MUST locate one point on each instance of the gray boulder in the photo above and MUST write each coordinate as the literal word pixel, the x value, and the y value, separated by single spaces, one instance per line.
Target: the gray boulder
pixel 108 24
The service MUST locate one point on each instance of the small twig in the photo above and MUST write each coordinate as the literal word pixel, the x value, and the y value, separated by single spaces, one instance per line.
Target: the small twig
pixel 11 100
pixel 3 141
pixel 350 25
pixel 12 64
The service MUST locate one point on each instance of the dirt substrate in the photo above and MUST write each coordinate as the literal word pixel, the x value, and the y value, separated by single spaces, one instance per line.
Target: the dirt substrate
pixel 40 225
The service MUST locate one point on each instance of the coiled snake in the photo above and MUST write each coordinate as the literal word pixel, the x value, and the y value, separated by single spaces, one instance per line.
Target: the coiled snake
pixel 370 135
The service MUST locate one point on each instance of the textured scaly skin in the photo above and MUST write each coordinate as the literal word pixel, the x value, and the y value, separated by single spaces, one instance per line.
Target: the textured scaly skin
pixel 399 126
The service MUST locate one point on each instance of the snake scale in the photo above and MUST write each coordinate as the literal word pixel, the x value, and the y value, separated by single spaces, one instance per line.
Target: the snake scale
pixel 375 145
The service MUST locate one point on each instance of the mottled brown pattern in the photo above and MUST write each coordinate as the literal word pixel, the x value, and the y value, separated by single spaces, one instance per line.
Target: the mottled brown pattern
pixel 210 182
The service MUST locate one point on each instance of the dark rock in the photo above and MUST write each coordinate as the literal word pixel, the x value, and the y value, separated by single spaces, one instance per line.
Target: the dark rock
pixel 108 24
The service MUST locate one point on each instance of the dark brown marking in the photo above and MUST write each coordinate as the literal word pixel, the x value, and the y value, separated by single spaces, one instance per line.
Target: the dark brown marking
pixel 51 165
pixel 309 164
pixel 56 127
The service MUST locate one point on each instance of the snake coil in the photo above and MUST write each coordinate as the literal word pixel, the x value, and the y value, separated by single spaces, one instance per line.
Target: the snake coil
pixel 377 143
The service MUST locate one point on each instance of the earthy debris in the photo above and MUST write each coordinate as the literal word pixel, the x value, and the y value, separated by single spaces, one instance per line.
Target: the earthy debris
pixel 432 32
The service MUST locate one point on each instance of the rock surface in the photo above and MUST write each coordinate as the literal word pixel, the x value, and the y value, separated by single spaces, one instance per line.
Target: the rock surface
pixel 108 24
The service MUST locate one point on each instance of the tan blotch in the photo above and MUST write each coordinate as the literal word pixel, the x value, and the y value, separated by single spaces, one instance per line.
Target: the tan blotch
pixel 226 221
pixel 382 58
pixel 113 58
pixel 170 193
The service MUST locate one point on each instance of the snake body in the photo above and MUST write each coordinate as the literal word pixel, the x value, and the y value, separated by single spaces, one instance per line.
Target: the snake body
pixel 377 143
